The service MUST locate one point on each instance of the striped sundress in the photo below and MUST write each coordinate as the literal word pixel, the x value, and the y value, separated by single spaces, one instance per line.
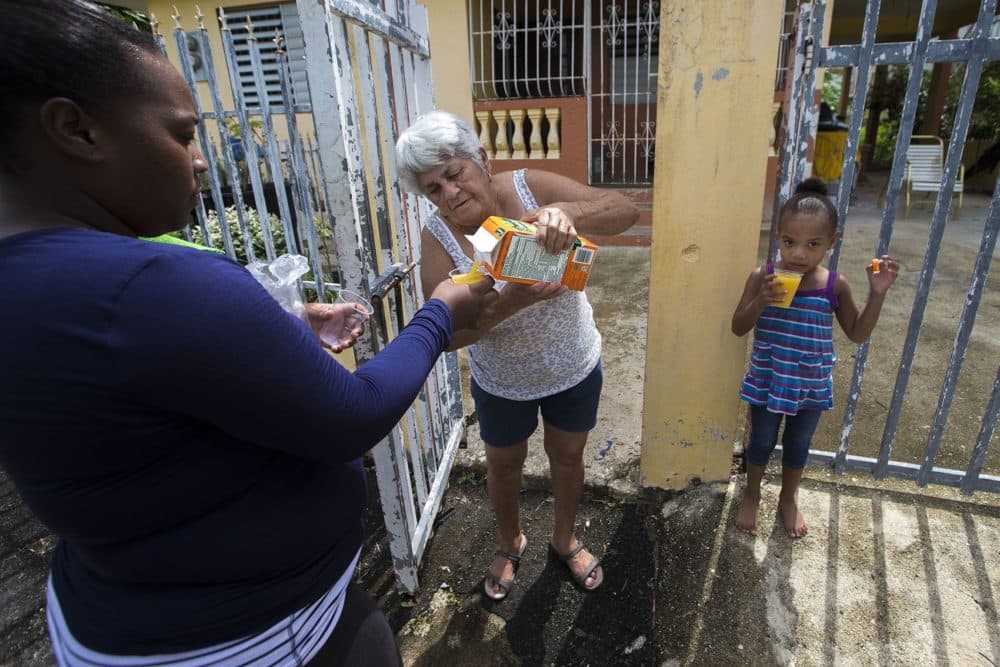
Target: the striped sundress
pixel 791 364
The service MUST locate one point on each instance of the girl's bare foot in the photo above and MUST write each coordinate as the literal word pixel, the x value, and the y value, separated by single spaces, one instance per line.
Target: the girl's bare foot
pixel 791 517
pixel 746 516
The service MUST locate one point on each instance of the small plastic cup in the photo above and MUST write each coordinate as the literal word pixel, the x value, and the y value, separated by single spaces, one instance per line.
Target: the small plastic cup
pixel 460 277
pixel 789 281
pixel 361 310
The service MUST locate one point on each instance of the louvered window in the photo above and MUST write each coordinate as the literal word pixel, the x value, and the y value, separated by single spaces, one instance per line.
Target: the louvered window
pixel 266 20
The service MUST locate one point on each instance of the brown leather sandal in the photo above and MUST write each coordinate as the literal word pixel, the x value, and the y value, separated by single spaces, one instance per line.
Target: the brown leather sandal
pixel 593 567
pixel 504 584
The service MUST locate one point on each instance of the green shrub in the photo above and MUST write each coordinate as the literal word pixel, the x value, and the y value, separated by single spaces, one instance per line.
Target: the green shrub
pixel 233 223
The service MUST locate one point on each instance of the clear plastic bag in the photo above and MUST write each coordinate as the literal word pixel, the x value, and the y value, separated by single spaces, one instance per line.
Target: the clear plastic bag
pixel 281 279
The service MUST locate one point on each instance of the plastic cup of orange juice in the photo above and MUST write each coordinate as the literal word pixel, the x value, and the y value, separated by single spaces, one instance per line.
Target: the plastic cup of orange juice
pixel 789 281
pixel 472 276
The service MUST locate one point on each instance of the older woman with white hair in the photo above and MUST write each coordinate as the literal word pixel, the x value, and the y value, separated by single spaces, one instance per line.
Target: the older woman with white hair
pixel 541 351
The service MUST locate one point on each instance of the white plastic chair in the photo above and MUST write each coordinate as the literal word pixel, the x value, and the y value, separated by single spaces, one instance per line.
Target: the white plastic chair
pixel 925 169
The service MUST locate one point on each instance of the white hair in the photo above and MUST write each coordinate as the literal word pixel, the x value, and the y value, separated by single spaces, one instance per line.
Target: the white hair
pixel 433 138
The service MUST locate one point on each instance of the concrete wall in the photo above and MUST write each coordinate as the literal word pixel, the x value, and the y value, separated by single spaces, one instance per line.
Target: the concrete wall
pixel 713 123
pixel 449 38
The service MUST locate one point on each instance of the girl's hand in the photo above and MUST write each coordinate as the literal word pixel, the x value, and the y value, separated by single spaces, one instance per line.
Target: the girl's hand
pixel 556 231
pixel 771 291
pixel 886 276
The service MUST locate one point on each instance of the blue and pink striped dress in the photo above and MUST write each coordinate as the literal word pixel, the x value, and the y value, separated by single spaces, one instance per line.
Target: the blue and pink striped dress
pixel 791 364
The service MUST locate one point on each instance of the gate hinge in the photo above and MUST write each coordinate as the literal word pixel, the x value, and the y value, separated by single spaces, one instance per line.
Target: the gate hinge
pixel 390 279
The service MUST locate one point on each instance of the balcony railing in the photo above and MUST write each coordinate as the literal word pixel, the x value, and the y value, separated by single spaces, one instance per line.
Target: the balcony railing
pixel 524 132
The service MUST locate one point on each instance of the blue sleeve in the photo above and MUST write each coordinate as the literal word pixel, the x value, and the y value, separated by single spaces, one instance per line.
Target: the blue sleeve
pixel 199 336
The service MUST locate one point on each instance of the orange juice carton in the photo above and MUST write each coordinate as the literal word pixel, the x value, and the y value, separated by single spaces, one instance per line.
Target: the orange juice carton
pixel 509 251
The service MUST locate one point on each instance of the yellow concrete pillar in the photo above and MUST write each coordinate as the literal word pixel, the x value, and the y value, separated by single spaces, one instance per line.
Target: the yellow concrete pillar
pixel 716 73
pixel 448 24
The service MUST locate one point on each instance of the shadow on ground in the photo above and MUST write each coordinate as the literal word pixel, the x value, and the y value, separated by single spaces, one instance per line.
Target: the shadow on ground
pixel 885 577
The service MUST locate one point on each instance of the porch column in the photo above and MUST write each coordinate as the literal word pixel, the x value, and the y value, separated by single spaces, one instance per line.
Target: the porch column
pixel 879 82
pixel 710 170
pixel 845 92
pixel 936 94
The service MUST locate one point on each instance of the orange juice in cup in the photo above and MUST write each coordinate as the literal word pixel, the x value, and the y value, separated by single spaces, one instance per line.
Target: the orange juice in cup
pixel 473 276
pixel 789 281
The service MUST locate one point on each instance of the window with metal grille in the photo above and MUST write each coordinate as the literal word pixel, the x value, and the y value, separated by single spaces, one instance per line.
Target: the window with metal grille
pixel 527 48
pixel 266 21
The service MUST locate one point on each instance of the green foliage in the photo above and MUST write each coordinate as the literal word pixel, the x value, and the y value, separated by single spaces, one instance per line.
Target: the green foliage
pixel 889 103
pixel 471 478
pixel 256 129
pixel 832 85
pixel 233 224
pixel 984 123
pixel 138 19
pixel 985 120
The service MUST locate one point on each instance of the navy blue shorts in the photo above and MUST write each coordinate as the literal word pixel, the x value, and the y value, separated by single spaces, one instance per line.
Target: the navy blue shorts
pixel 503 422
pixel 795 440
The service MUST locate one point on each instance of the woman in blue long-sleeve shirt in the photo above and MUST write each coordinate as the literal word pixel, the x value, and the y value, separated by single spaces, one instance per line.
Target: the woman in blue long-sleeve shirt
pixel 192 445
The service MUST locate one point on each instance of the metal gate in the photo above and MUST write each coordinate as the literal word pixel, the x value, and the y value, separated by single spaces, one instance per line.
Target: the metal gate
pixel 800 127
pixel 333 196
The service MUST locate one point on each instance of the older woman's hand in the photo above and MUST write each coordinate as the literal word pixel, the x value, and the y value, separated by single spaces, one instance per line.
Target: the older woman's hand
pixel 522 296
pixel 556 231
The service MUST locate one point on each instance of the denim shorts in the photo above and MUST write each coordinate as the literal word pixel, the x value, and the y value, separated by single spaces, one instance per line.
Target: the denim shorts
pixel 503 422
pixel 795 441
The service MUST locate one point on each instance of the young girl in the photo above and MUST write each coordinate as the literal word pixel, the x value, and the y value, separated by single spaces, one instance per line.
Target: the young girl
pixel 791 365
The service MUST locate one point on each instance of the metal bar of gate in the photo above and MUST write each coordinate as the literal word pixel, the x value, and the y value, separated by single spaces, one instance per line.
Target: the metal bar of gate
pixel 391 469
pixel 180 38
pixel 899 53
pixel 942 208
pixel 384 146
pixel 270 143
pixel 380 23
pixel 980 272
pixel 391 104
pixel 972 477
pixel 785 178
pixel 857 113
pixel 924 30
pixel 401 74
pixel 232 171
pixel 807 124
pixel 199 209
pixel 249 145
pixel 297 159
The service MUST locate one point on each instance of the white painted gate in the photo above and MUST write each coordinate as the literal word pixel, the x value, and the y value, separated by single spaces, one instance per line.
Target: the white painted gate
pixel 368 68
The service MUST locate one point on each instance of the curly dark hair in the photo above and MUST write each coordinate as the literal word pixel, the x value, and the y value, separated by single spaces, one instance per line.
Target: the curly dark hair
pixel 811 196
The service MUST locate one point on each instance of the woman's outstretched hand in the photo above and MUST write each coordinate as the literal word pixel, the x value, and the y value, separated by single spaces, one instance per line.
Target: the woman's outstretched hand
pixel 468 303
pixel 335 317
